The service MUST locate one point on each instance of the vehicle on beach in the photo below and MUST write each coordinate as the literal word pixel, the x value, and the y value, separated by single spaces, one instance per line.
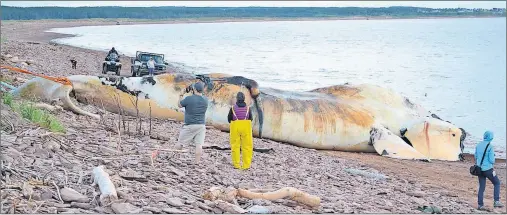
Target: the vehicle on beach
pixel 111 64
pixel 139 65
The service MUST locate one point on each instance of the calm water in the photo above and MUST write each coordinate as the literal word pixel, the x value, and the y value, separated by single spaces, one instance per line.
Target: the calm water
pixel 458 63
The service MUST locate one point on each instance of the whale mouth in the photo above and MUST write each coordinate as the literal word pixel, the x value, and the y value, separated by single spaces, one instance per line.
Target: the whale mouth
pixel 258 106
pixel 251 85
pixel 462 144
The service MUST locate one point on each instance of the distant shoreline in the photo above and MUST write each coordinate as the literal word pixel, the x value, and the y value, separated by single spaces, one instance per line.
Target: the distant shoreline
pixel 252 19
pixel 35 30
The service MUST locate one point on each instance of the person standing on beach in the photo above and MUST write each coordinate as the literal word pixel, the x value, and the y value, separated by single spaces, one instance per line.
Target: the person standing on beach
pixel 151 66
pixel 241 138
pixel 485 158
pixel 194 129
pixel 112 51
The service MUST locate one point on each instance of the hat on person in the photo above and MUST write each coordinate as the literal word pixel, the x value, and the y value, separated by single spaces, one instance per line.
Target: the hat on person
pixel 240 97
pixel 199 87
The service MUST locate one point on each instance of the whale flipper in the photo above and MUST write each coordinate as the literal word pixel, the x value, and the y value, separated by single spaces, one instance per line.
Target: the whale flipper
pixel 389 145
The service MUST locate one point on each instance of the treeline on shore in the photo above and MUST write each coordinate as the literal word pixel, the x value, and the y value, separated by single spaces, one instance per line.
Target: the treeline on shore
pixel 33 13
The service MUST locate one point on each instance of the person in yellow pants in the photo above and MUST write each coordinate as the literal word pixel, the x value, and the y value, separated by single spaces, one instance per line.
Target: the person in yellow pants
pixel 241 137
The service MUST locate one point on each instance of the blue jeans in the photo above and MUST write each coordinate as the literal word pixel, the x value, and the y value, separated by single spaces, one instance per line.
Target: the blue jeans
pixel 150 70
pixel 482 186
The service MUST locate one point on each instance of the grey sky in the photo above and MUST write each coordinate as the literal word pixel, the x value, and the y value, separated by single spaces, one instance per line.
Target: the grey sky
pixel 431 4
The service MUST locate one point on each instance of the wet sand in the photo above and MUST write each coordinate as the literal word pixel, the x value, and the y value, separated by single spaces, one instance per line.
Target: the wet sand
pixel 447 185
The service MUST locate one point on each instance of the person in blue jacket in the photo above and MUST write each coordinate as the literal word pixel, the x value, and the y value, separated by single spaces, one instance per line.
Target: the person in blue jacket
pixel 487 170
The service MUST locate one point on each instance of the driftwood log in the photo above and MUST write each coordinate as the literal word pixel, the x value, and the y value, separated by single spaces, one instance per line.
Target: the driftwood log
pixel 106 186
pixel 230 195
pixel 261 150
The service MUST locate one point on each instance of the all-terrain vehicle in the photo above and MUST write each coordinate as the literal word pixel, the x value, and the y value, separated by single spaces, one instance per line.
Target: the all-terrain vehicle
pixel 139 65
pixel 111 64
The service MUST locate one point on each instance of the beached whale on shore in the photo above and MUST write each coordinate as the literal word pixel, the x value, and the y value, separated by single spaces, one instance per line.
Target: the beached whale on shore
pixel 356 118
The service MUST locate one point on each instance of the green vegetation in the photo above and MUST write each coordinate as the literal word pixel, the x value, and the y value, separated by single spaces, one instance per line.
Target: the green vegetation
pixel 38 116
pixel 7 99
pixel 34 13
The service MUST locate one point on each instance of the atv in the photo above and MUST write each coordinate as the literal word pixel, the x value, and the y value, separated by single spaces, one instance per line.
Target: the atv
pixel 111 64
pixel 139 65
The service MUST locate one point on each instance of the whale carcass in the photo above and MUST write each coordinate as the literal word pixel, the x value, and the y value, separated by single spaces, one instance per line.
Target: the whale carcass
pixel 355 118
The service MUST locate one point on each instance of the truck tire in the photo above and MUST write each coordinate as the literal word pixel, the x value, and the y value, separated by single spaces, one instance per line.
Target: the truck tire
pixel 133 72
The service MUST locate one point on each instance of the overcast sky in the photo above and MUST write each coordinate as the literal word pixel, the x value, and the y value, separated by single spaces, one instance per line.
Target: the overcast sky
pixel 431 4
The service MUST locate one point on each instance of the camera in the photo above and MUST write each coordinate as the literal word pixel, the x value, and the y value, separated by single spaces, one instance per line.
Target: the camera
pixel 190 88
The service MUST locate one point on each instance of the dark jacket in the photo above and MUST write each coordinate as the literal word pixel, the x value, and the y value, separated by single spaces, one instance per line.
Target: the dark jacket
pixel 112 51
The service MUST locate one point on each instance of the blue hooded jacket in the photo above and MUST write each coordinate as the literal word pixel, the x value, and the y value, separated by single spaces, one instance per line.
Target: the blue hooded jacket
pixel 489 159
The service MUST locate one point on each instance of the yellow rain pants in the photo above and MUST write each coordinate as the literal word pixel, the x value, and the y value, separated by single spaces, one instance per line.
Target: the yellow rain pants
pixel 241 138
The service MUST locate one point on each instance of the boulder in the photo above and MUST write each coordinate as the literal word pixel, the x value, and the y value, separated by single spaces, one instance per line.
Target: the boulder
pixel 70 195
pixel 174 201
pixel 257 209
pixel 125 208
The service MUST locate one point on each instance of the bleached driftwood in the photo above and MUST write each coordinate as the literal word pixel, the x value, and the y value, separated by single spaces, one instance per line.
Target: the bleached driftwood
pixel 218 193
pixel 229 195
pixel 286 192
pixel 106 186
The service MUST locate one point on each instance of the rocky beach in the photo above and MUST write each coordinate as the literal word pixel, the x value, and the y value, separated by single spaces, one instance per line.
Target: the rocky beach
pixel 46 172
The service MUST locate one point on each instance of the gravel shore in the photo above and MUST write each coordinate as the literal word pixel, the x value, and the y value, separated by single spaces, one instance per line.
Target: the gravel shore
pixel 36 162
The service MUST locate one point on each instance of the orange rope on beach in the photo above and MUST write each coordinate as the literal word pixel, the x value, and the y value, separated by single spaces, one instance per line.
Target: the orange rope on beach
pixel 64 81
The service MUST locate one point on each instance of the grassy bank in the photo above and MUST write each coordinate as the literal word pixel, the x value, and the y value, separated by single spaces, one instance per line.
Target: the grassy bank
pixel 36 115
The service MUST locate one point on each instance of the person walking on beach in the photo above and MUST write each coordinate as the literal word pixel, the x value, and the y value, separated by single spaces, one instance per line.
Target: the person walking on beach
pixel 485 158
pixel 151 66
pixel 194 129
pixel 240 119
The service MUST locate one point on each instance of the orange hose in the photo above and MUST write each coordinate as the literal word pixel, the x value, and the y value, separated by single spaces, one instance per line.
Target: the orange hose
pixel 64 81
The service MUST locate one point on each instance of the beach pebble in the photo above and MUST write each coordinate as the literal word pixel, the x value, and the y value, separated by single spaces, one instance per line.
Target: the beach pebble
pixel 59 205
pixel 30 62
pixel 328 211
pixel 261 202
pixel 85 206
pixel 125 208
pixel 176 171
pixel 257 209
pixel 70 211
pixel 173 211
pixel 174 201
pixel 416 193
pixel 152 209
pixel 46 195
pixel 27 190
pixel 70 195
pixel 52 210
pixel 418 201
pixel 202 206
pixel 14 59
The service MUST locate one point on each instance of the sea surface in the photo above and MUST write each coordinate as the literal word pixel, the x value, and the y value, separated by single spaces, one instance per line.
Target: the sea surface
pixel 455 68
